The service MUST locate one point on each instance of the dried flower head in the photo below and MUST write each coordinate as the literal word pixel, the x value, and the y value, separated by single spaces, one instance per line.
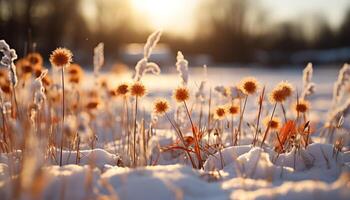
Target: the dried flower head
pixel 160 107
pixel 249 85
pixel 301 106
pixel 75 70
pixel 286 87
pixel 122 89
pixel 93 103
pixel 75 73
pixel 277 96
pixel 61 57
pixel 137 89
pixel 23 67
pixel 274 124
pixel 232 109
pixel 181 94
pixel 5 86
pixel 35 59
pixel 220 113
pixel 281 92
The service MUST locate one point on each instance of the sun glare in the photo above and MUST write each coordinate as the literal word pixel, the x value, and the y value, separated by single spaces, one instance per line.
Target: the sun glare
pixel 166 14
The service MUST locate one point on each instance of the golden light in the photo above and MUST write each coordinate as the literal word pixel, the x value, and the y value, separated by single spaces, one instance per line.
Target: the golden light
pixel 170 15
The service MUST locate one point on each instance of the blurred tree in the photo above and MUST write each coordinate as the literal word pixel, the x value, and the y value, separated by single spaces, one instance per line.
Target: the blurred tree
pixel 344 31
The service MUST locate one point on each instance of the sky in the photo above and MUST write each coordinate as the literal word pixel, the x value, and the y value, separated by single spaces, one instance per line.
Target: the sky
pixel 178 16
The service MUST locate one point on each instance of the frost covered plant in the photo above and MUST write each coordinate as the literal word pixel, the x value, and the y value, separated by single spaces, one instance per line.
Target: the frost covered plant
pixel 143 66
pixel 222 90
pixel 200 94
pixel 339 89
pixel 98 58
pixel 308 86
pixel 61 58
pixel 340 105
pixel 39 90
pixel 182 67
pixel 7 60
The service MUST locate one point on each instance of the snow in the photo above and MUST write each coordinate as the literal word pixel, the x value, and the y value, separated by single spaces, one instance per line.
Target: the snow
pixel 236 172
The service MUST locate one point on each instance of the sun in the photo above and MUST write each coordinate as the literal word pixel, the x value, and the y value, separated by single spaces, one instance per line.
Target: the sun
pixel 170 15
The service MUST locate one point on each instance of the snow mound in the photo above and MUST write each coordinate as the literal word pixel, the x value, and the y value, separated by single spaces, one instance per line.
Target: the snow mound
pixel 310 190
pixel 95 157
pixel 161 182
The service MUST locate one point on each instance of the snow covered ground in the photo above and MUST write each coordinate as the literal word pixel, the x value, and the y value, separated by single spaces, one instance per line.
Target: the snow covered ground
pixel 236 172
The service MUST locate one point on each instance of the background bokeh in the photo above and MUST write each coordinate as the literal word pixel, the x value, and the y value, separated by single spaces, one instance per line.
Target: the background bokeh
pixel 264 32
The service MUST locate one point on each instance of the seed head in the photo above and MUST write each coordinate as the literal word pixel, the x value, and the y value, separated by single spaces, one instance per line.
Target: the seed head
pixel 249 85
pixel 220 113
pixel 35 59
pixel 281 92
pixel 160 106
pixel 61 57
pixel 181 94
pixel 232 109
pixel 274 124
pixel 301 106
pixel 137 89
pixel 122 89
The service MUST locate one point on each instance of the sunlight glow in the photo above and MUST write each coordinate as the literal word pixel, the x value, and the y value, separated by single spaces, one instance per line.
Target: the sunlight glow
pixel 167 14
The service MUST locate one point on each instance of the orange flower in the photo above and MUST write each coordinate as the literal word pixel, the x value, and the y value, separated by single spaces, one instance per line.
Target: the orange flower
pixel 181 94
pixel 302 106
pixel 138 89
pixel 220 113
pixel 61 57
pixel 122 89
pixel 160 106
pixel 35 59
pixel 274 124
pixel 249 85
pixel 232 109
pixel 281 92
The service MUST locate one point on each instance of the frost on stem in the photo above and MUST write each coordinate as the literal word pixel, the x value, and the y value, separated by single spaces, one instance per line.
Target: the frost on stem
pixel 143 66
pixel 340 85
pixel 39 90
pixel 7 60
pixel 152 41
pixel 200 94
pixel 222 90
pixel 308 86
pixel 341 112
pixel 182 67
pixel 98 57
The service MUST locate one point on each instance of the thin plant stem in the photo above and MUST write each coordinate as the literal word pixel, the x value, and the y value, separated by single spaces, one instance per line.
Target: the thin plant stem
pixel 197 150
pixel 259 114
pixel 63 108
pixel 209 108
pixel 241 119
pixel 14 111
pixel 284 113
pixel 181 139
pixel 135 124
pixel 268 125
